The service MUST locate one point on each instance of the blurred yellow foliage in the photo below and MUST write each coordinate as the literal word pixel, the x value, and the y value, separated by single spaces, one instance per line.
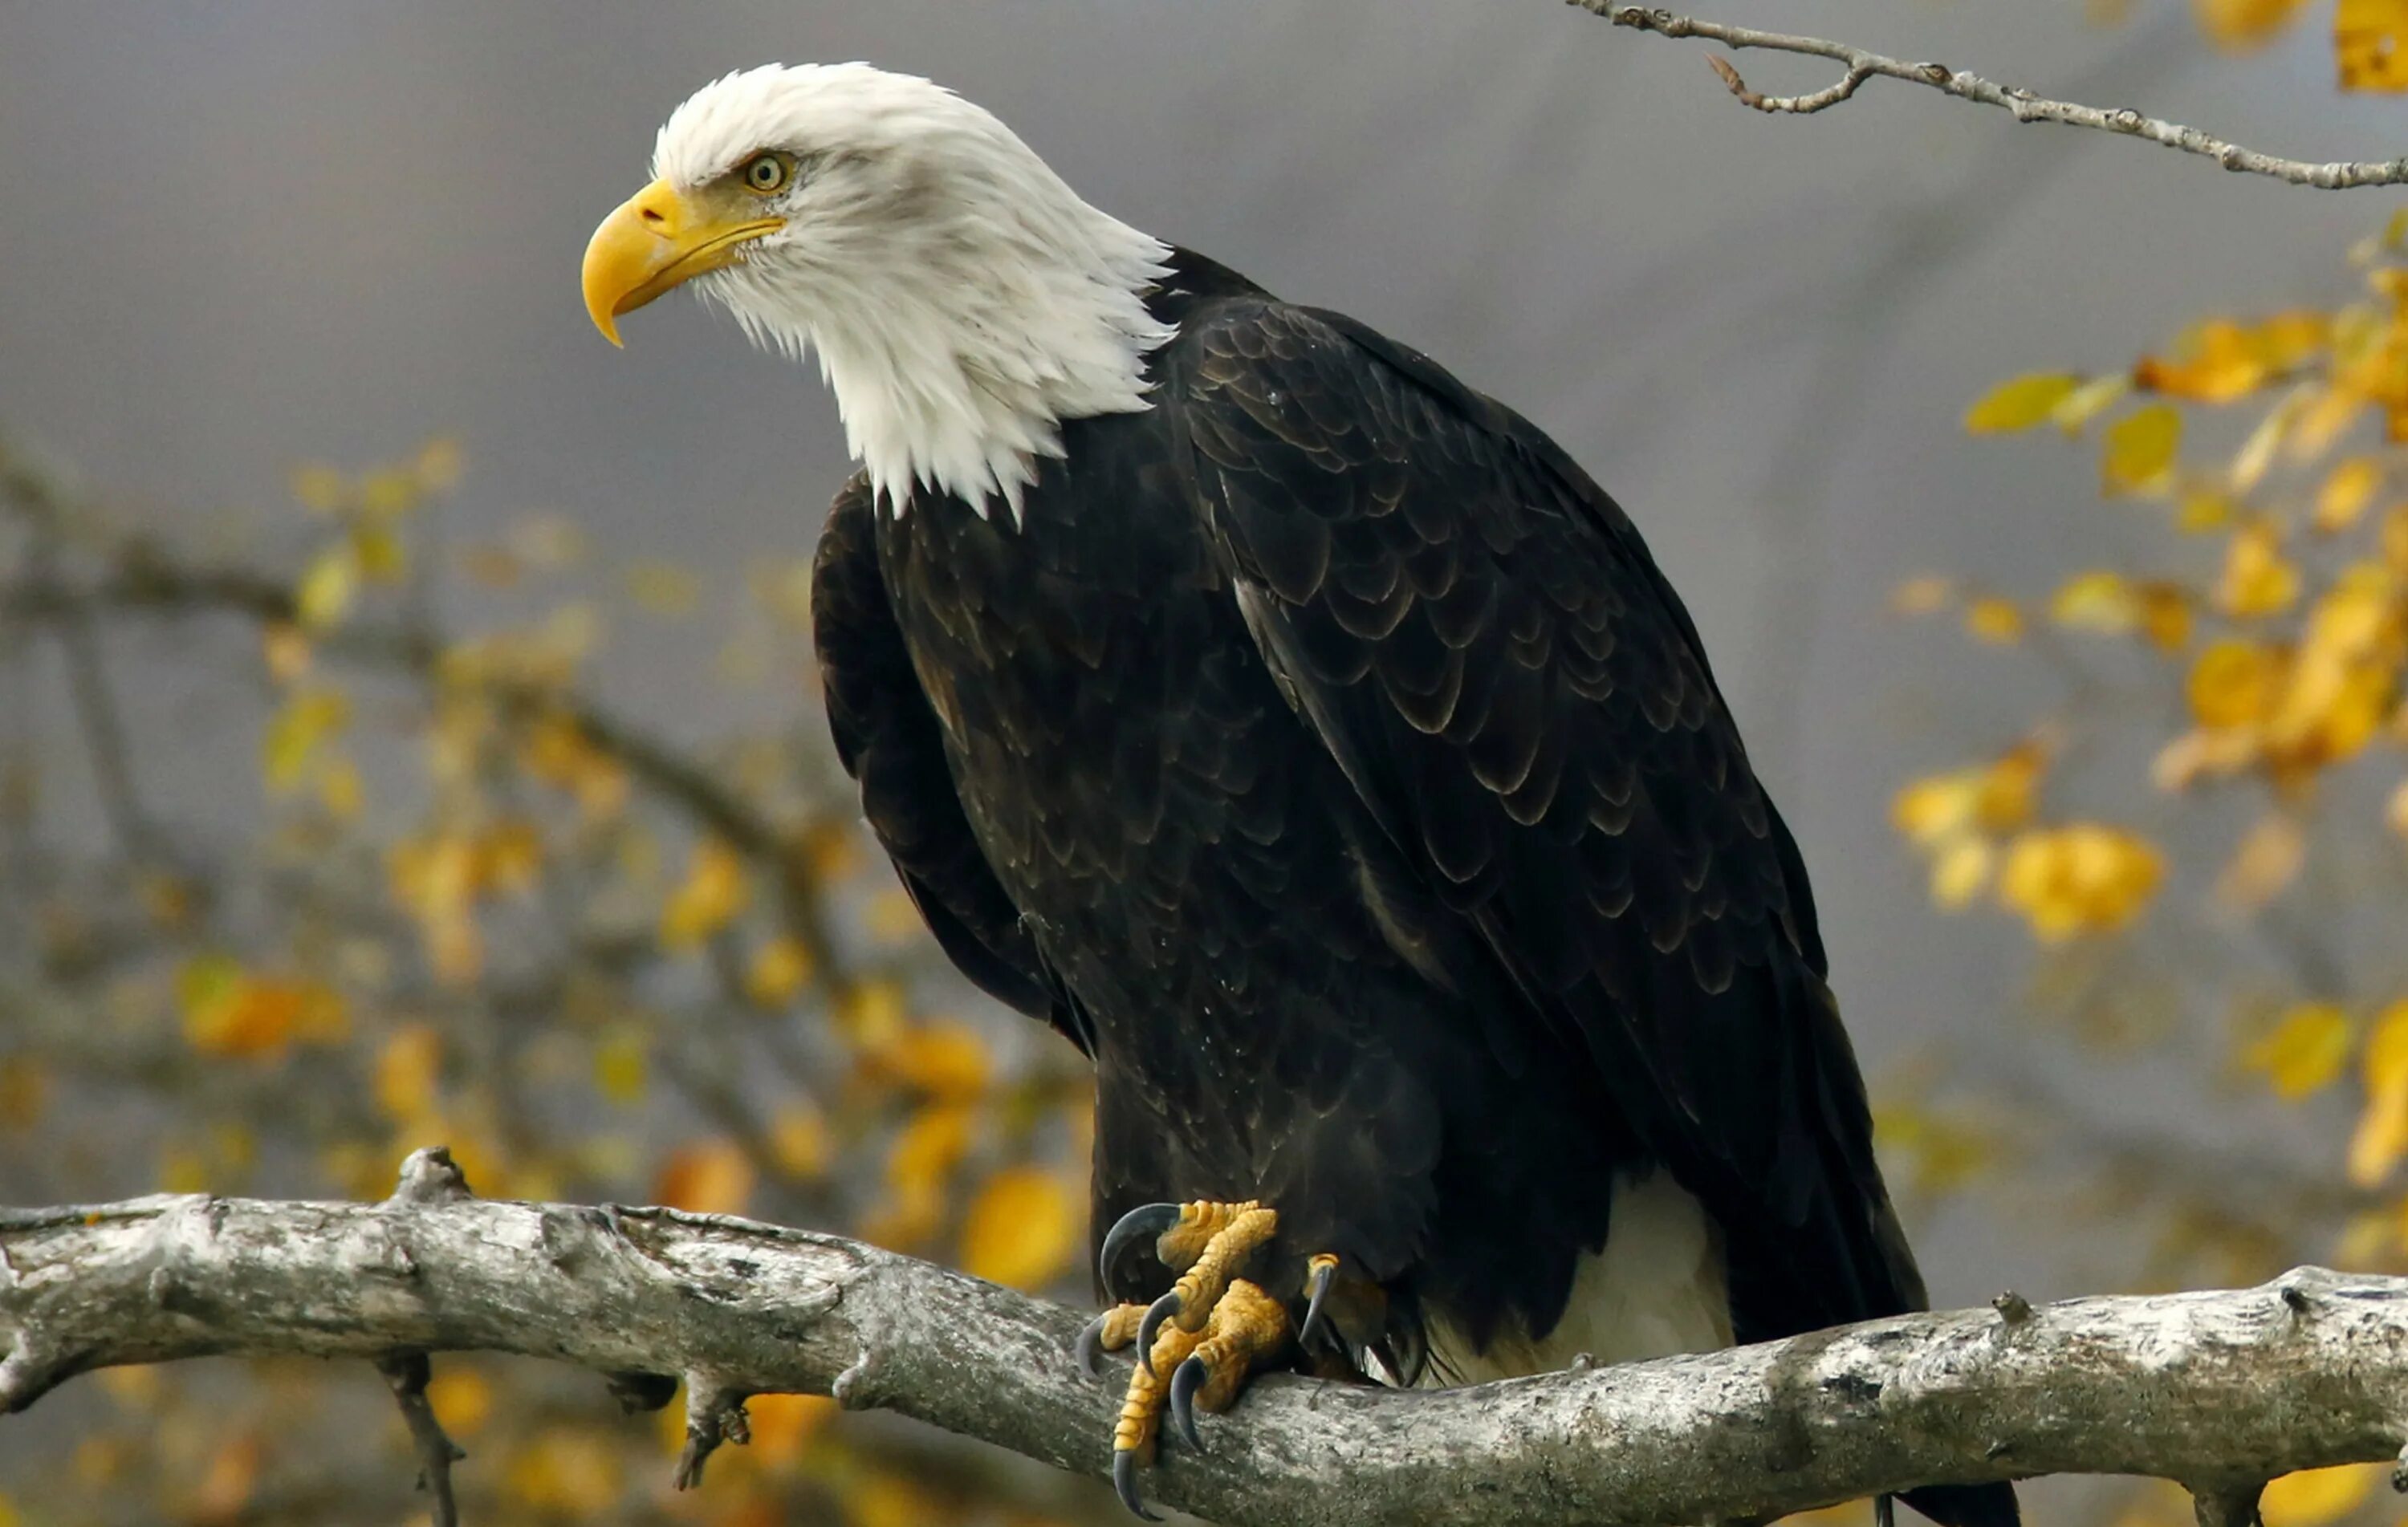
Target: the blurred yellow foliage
pixel 567 1472
pixel 2019 403
pixel 2080 878
pixel 1991 619
pixel 1021 1229
pixel 2141 448
pixel 784 1425
pixel 2370 44
pixel 2305 1050
pixel 463 1399
pixel 715 890
pixel 407 1069
pixel 780 969
pixel 2239 24
pixel 705 1176
pixel 2382 1135
pixel 946 1060
pixel 2313 1497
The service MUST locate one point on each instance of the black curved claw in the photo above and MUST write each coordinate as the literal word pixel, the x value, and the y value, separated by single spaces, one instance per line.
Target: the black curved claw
pixel 1316 1289
pixel 1146 1220
pixel 1185 1380
pixel 1125 1483
pixel 1090 1346
pixel 1155 1313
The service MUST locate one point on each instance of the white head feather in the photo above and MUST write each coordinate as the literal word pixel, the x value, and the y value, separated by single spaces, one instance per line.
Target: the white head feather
pixel 962 299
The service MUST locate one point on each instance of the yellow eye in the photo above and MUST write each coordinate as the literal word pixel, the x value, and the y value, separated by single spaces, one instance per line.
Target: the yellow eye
pixel 767 173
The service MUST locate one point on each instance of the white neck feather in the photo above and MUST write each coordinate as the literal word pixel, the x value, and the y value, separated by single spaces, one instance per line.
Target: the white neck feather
pixel 955 374
pixel 962 299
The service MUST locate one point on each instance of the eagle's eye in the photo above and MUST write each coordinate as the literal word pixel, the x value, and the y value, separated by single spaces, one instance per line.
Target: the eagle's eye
pixel 767 173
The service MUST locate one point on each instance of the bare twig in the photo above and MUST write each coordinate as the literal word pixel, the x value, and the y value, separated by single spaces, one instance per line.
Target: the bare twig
pixel 1860 65
pixel 407 1374
pixel 2218 1389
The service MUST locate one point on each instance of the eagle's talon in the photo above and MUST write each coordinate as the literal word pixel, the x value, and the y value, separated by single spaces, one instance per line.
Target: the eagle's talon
pixel 1125 1483
pixel 1155 1219
pixel 1184 1381
pixel 1323 1272
pixel 1167 1307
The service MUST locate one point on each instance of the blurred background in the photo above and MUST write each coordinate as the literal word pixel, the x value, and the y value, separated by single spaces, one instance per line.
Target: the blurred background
pixel 407 729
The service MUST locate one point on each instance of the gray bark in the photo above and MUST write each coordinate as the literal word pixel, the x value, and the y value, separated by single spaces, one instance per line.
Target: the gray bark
pixel 2220 1391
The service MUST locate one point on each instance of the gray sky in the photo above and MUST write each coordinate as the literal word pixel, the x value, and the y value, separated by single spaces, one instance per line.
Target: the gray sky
pixel 239 233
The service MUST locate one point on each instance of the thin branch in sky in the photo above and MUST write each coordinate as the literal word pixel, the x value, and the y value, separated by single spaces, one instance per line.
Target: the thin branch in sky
pixel 1860 65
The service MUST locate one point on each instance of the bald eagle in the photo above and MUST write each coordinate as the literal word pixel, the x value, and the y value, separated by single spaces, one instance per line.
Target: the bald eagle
pixel 1307 738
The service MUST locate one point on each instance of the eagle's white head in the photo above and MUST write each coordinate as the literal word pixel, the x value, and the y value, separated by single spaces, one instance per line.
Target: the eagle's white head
pixel 962 299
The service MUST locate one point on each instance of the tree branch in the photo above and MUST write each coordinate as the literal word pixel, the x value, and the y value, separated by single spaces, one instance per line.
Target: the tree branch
pixel 1860 65
pixel 2217 1390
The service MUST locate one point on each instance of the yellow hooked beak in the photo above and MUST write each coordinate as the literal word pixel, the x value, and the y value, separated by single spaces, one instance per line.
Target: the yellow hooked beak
pixel 660 238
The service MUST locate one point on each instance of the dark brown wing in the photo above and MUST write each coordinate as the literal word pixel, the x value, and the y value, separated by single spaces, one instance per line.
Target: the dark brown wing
pixel 1481 638
pixel 888 740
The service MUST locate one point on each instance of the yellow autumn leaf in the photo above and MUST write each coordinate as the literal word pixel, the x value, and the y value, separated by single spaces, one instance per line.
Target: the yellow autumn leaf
pixel 620 1065
pixel 2097 601
pixel 778 969
pixel 871 1013
pixel 2165 615
pixel 1022 1230
pixel 943 1060
pixel 2258 580
pixel 2346 491
pixel 382 555
pixel 1932 810
pixel 296 733
pixel 879 1499
pixel 226 1484
pixel 2304 1052
pixel 407 1069
pixel 2370 44
pixel 463 1399
pixel 2080 878
pixel 798 1140
pixel 2313 1497
pixel 2232 684
pixel 2205 510
pixel 783 1424
pixel 2381 1138
pixel 2139 449
pixel 2216 361
pixel 323 595
pixel 256 1018
pixel 566 1472
pixel 1959 871
pixel 2077 408
pixel 714 892
pixel 2267 860
pixel 2242 24
pixel 1994 620
pixel 705 1176
pixel 2019 403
